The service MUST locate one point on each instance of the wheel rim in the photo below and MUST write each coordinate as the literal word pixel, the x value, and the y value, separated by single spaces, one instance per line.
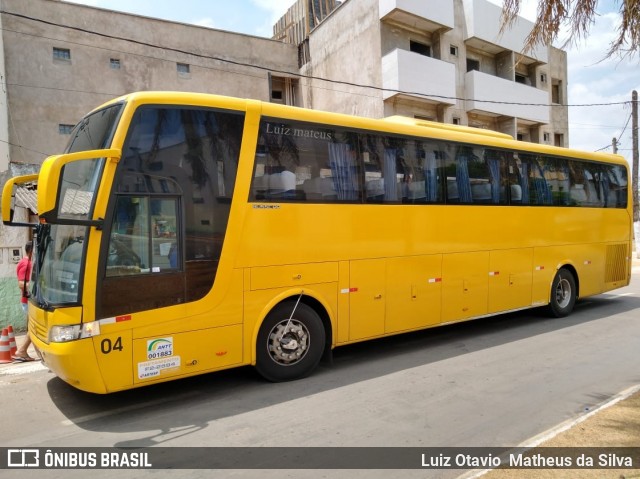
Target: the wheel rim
pixel 288 342
pixel 563 293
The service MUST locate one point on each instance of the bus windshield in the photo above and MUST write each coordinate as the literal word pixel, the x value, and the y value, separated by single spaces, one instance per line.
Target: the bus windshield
pixel 95 131
pixel 60 247
pixel 60 251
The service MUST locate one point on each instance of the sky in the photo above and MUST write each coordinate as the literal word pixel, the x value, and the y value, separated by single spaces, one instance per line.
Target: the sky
pixel 593 79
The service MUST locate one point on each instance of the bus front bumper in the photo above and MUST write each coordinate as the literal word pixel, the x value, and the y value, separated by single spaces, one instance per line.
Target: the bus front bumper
pixel 74 362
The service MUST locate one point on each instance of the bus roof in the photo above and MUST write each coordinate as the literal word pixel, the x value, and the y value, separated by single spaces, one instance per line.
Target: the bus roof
pixel 405 120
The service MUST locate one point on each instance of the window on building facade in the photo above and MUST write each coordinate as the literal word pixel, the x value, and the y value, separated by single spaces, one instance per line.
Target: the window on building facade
pixel 473 64
pixel 558 139
pixel 420 48
pixel 114 63
pixel 283 90
pixel 183 68
pixel 521 79
pixel 556 91
pixel 453 50
pixel 61 54
pixel 65 129
pixel 546 137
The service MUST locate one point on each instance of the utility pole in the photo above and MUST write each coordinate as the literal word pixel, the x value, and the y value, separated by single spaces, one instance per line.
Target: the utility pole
pixel 614 144
pixel 634 140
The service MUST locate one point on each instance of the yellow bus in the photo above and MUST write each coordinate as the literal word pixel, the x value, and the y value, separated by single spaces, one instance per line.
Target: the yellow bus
pixel 185 233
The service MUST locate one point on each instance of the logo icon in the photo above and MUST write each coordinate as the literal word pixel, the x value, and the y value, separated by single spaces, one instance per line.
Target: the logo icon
pixel 159 348
pixel 23 458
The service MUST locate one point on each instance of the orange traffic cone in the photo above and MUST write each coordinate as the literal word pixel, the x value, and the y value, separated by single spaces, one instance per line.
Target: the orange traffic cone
pixel 5 349
pixel 12 340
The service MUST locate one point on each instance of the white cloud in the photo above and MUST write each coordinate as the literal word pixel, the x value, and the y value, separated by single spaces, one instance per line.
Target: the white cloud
pixel 205 22
pixel 275 8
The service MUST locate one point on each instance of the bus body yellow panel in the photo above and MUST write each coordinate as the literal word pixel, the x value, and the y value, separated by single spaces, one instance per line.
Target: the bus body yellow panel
pixel 293 275
pixel 114 352
pixel 510 279
pixel 413 292
pixel 465 284
pixel 367 298
pixel 183 354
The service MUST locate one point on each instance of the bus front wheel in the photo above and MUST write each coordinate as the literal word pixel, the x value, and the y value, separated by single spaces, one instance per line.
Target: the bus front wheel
pixel 290 344
pixel 563 293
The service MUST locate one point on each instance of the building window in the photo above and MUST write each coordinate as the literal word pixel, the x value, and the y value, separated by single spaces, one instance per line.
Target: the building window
pixel 546 137
pixel 473 64
pixel 456 120
pixel 61 54
pixel 283 90
pixel 453 50
pixel 65 129
pixel 543 78
pixel 556 91
pixel 114 63
pixel 521 79
pixel 183 68
pixel 558 139
pixel 420 48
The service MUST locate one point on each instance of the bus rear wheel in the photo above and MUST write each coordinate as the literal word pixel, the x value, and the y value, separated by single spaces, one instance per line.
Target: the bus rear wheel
pixel 289 346
pixel 563 293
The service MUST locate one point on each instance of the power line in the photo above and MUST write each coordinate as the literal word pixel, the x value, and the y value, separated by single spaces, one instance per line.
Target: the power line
pixel 619 136
pixel 25 148
pixel 295 74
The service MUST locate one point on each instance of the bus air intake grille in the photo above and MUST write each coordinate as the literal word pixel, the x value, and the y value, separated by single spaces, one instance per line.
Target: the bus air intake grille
pixel 38 329
pixel 616 266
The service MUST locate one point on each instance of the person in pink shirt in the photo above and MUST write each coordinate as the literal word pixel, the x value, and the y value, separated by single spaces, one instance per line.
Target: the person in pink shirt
pixel 23 272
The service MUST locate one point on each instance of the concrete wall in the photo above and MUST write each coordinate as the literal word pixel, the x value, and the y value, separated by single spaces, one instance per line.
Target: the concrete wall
pixel 12 238
pixel 559 116
pixel 483 22
pixel 4 117
pixel 346 47
pixel 44 92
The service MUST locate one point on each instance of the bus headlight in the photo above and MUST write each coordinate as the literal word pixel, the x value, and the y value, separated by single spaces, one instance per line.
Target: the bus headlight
pixel 65 333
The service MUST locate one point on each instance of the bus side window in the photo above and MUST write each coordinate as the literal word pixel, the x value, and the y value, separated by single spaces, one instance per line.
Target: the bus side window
pixel 141 223
pixel 129 237
pixel 165 252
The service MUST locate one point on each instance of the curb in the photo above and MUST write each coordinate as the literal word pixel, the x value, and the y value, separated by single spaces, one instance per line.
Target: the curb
pixel 560 428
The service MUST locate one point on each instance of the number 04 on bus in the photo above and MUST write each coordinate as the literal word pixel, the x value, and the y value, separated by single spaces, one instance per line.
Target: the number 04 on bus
pixel 181 234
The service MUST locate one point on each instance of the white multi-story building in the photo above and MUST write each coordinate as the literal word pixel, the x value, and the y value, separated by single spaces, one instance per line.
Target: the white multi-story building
pixel 442 60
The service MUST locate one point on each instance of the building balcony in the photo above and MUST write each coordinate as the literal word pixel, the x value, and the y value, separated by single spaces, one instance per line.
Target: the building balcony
pixel 512 99
pixel 418 77
pixel 483 21
pixel 427 15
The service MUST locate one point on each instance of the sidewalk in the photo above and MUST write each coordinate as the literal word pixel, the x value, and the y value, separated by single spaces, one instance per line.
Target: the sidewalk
pixel 21 367
pixel 614 424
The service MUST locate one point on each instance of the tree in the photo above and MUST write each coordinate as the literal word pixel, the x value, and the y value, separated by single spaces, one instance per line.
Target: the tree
pixel 579 15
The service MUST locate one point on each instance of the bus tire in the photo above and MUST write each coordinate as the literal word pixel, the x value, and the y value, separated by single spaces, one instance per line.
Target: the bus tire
pixel 289 349
pixel 563 293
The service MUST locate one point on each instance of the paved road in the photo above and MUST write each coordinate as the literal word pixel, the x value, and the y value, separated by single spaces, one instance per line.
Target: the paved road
pixel 492 382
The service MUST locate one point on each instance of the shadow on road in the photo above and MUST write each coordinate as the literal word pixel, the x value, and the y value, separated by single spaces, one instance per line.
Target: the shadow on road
pixel 184 406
